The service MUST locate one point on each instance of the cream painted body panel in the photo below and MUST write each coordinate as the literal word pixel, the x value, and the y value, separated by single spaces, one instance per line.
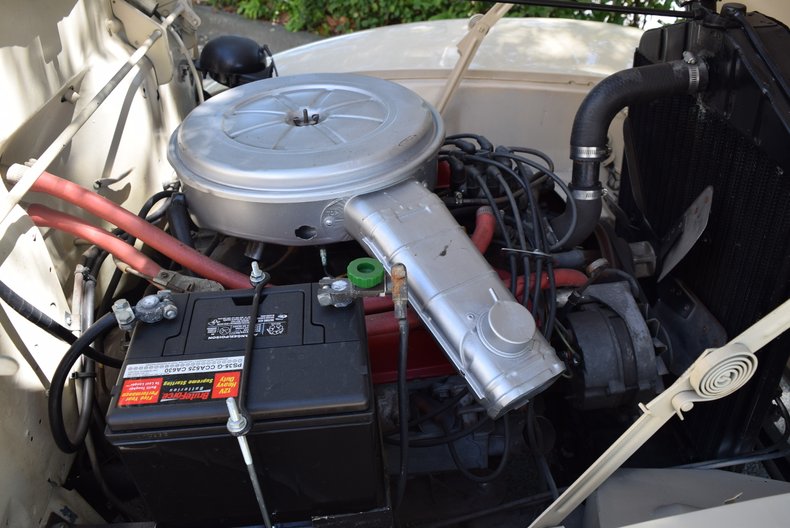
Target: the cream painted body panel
pixel 524 85
pixel 47 50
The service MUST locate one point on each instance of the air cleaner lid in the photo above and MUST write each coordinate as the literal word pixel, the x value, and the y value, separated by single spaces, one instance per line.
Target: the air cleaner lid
pixel 306 138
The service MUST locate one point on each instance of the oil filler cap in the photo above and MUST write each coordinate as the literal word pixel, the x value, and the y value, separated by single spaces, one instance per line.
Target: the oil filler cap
pixel 365 272
pixel 507 328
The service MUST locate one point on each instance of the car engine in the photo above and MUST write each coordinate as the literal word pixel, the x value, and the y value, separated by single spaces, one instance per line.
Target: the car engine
pixel 343 315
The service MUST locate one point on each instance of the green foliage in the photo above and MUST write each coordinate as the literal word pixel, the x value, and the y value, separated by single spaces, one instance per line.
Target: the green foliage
pixel 332 17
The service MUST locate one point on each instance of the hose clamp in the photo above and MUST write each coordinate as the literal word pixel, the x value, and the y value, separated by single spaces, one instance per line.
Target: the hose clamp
pixel 586 195
pixel 589 153
pixel 695 78
pixel 695 69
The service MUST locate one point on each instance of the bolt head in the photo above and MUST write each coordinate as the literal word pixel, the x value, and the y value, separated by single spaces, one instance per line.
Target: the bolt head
pixel 237 426
pixel 340 285
pixel 324 298
pixel 149 301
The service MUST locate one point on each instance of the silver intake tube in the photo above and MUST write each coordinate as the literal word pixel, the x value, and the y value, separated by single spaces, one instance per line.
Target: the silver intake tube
pixel 489 337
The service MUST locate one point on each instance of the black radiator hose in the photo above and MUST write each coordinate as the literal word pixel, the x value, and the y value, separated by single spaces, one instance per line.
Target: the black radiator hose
pixel 178 217
pixel 591 125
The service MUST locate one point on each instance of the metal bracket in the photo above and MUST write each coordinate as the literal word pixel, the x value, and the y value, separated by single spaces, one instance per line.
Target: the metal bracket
pixel 182 284
pixel 339 292
pixel 479 26
pixel 138 26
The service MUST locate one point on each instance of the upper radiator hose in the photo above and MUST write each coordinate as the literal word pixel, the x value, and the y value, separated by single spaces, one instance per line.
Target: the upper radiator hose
pixel 591 124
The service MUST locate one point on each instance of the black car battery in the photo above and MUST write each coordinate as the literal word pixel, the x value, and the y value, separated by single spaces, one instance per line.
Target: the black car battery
pixel 314 436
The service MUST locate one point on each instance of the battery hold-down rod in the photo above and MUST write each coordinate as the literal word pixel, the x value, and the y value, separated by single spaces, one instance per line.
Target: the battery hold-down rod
pixel 237 426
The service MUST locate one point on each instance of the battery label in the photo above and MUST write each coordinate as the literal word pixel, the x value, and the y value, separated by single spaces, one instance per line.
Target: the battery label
pixel 187 380
pixel 140 391
pixel 238 326
pixel 186 366
pixel 179 388
pixel 226 385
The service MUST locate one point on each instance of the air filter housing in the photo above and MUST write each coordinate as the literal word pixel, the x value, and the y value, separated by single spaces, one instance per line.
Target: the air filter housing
pixel 276 160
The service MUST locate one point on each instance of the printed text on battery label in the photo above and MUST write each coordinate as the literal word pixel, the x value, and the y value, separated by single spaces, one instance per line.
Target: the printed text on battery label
pixel 238 326
pixel 190 366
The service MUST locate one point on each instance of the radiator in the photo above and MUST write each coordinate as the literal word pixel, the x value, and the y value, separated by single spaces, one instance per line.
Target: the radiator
pixel 736 138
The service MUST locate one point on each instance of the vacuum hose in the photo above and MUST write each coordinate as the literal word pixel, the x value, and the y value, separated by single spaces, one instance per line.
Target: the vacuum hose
pixel 591 124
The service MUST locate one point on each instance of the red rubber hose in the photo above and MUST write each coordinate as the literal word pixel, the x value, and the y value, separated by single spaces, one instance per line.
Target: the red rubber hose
pixel 563 278
pixel 45 217
pixel 139 228
pixel 484 228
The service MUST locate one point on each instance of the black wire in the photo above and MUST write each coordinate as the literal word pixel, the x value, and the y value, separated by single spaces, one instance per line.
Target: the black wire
pixel 59 379
pixel 446 406
pixel 89 258
pixel 636 291
pixel 539 237
pixel 538 241
pixel 495 169
pixel 462 145
pixel 551 298
pixel 212 245
pixel 484 143
pixel 757 41
pixel 777 450
pixel 514 206
pixel 144 213
pixel 109 292
pixel 34 315
pixel 451 201
pixel 538 232
pixel 535 152
pixel 151 202
pixel 490 477
pixel 537 451
pixel 501 223
pixel 562 185
pixel 548 172
pixel 43 321
pixel 433 441
pixel 112 286
pixel 403 409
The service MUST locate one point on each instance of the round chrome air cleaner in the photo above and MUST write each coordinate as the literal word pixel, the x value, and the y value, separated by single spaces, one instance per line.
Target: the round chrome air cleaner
pixel 276 160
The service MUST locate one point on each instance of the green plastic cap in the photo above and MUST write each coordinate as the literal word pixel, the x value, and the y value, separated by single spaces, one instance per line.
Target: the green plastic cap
pixel 365 272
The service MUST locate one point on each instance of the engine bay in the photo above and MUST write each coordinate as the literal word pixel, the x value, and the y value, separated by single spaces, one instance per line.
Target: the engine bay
pixel 339 310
